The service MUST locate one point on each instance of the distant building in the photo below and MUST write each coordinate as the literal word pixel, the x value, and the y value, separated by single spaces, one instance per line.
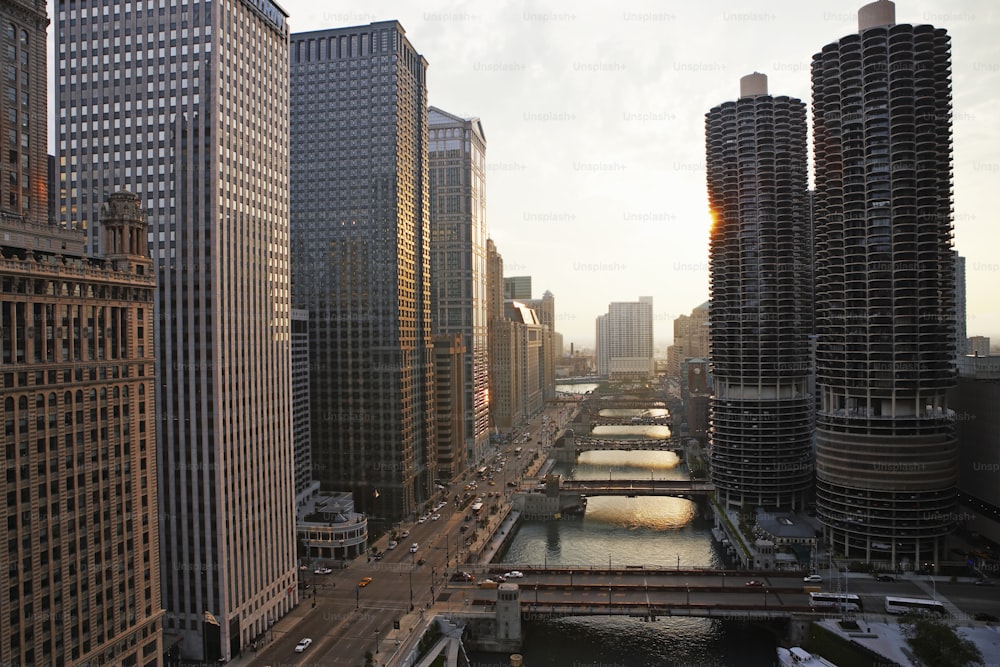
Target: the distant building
pixel 691 339
pixel 627 340
pixel 329 529
pixel 979 346
pixel 602 349
pixel 961 334
pixel 696 393
pixel 517 287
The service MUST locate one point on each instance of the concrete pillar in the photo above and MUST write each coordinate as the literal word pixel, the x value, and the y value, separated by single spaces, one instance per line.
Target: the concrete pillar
pixel 508 613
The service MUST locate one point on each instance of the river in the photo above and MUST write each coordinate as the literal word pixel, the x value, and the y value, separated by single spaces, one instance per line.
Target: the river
pixel 629 531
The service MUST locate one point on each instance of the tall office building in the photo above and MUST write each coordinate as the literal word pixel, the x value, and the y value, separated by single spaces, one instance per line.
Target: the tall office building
pixel 361 260
pixel 886 461
pixel 186 105
pixel 627 334
pixel 761 409
pixel 457 158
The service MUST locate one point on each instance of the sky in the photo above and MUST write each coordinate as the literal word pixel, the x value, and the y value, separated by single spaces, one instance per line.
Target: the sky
pixel 594 120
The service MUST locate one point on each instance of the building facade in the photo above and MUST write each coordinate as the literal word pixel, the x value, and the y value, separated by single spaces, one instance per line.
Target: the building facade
pixel 761 410
pixel 628 343
pixel 361 261
pixel 517 287
pixel 886 458
pixel 978 346
pixel 976 398
pixel 82 561
pixel 301 421
pixel 691 339
pixel 186 105
pixel 450 453
pixel 457 158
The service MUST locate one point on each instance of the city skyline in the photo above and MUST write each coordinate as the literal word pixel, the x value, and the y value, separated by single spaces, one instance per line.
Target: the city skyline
pixel 567 166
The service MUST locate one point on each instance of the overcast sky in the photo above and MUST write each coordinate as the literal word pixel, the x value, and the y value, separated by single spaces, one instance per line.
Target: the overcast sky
pixel 594 120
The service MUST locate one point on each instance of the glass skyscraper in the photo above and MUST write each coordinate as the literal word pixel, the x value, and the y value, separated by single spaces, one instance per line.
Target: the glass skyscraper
pixel 361 261
pixel 186 105
pixel 458 258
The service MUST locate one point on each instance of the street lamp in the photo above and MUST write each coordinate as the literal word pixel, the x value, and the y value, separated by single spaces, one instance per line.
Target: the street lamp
pixel 411 590
pixel 376 640
pixel 678 562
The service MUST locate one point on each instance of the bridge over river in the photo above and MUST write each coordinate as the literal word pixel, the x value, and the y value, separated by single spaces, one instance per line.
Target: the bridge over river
pixel 651 593
pixel 637 487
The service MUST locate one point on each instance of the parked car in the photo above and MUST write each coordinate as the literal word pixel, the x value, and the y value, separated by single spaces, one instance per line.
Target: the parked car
pixel 405 533
pixel 515 574
pixel 812 578
pixel 322 570
pixel 393 544
pixel 303 645
pixel 753 583
pixel 435 517
pixel 414 547
pixel 885 577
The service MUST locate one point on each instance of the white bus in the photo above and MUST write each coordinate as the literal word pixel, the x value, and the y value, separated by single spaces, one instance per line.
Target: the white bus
pixel 836 601
pixel 476 507
pixel 894 605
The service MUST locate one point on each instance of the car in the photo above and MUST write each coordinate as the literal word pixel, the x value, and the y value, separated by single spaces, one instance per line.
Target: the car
pixel 422 519
pixel 392 545
pixel 753 583
pixel 488 583
pixel 492 483
pixel 515 574
pixel 812 578
pixel 364 582
pixel 405 533
pixel 303 645
pixel 463 529
pixel 421 561
pixel 462 576
pixel 414 547
pixel 378 555
pixel 322 570
pixel 984 582
pixel 885 577
pixel 435 517
pixel 984 616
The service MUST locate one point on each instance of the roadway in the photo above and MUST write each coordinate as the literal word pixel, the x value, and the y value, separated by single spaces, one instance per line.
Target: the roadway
pixel 345 618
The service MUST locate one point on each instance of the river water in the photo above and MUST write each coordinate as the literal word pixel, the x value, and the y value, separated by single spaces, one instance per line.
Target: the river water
pixel 629 531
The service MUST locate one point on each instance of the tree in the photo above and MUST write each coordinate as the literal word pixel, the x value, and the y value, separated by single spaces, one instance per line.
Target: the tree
pixel 934 642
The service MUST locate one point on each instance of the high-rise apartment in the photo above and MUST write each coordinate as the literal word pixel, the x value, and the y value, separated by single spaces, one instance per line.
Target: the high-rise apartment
pixel 457 158
pixel 186 105
pixel 761 409
pixel 361 260
pixel 628 340
pixel 517 287
pixel 301 423
pixel 886 460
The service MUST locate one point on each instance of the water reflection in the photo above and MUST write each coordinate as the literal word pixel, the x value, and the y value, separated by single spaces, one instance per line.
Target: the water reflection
pixel 627 431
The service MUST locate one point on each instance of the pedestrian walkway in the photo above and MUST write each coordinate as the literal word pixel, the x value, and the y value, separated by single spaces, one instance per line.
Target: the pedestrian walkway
pixel 932 593
pixel 508 524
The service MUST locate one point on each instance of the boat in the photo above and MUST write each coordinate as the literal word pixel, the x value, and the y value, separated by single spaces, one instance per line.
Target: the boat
pixel 799 657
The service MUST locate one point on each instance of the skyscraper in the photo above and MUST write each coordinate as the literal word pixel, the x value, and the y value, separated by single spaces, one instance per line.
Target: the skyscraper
pixel 761 409
pixel 457 158
pixel 885 286
pixel 361 260
pixel 186 105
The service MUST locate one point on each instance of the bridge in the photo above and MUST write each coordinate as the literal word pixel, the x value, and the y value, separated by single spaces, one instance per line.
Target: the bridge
pixel 637 487
pixel 625 404
pixel 651 593
pixel 631 421
pixel 586 444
